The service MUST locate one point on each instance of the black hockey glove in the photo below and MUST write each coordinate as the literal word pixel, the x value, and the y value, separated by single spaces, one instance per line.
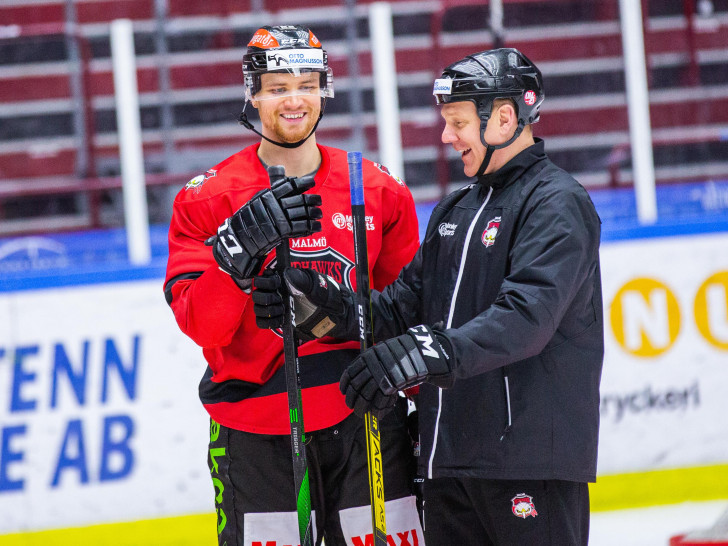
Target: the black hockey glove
pixel 320 303
pixel 272 215
pixel 372 380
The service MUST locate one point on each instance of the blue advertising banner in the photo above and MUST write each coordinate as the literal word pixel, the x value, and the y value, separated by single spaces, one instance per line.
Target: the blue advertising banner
pixel 682 209
pixel 65 259
pixel 34 262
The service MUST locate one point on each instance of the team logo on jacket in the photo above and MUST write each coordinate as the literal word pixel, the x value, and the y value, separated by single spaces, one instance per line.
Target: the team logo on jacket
pixel 491 231
pixel 522 506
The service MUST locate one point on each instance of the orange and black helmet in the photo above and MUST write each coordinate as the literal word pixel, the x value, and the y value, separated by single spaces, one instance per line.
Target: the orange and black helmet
pixel 286 48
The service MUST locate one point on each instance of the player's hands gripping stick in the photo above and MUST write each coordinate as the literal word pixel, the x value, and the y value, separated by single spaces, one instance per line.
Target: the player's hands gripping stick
pixel 272 215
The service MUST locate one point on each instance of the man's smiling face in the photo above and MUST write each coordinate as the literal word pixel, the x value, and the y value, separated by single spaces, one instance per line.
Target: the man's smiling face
pixel 288 105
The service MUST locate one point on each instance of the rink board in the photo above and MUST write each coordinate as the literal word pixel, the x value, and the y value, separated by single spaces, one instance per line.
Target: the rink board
pixel 665 377
pixel 99 415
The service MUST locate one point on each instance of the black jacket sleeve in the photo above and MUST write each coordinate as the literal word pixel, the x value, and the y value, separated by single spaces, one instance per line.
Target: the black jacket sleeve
pixel 400 305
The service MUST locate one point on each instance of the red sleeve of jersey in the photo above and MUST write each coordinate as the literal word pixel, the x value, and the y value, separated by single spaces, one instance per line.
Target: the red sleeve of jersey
pixel 206 302
pixel 210 308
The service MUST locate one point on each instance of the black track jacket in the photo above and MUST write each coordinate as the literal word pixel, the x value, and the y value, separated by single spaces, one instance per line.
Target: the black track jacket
pixel 510 268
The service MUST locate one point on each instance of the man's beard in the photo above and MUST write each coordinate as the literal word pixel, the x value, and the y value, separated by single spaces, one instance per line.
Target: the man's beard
pixel 291 135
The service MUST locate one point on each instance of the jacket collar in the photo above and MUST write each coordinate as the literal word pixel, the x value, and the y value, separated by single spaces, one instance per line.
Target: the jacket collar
pixel 515 167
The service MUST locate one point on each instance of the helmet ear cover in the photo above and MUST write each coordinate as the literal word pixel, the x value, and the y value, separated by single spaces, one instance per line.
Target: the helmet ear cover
pixel 484 108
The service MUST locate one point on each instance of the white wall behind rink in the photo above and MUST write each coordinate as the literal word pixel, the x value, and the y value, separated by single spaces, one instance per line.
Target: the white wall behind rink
pixel 153 461
pixel 73 452
pixel 665 378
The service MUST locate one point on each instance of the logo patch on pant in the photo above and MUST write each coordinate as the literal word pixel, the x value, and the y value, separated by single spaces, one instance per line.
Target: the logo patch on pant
pixel 522 506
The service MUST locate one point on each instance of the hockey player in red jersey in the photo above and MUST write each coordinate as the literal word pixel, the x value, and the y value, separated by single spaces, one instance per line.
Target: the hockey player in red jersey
pixel 209 291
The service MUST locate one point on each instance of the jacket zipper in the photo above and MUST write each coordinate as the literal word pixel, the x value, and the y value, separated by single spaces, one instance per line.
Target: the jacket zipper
pixel 508 407
pixel 449 322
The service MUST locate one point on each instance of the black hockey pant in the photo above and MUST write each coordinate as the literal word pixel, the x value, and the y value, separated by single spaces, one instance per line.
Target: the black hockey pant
pixel 254 493
pixel 479 512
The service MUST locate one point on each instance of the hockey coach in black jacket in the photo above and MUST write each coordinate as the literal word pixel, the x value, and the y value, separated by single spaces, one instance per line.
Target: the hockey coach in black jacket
pixel 498 319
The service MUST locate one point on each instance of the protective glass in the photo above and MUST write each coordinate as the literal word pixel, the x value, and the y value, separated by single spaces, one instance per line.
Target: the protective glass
pixel 286 84
pixel 291 71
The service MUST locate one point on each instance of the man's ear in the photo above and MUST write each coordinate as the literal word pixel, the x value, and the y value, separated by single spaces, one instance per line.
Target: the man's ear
pixel 254 103
pixel 507 117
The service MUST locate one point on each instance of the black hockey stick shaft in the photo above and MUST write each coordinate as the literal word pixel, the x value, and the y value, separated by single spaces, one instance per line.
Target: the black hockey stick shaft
pixel 293 388
pixel 363 301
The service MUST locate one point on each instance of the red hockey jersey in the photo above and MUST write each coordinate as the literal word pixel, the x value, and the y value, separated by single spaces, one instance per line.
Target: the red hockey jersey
pixel 244 385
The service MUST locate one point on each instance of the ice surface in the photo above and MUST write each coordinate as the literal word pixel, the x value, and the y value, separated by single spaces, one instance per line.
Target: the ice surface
pixel 655 525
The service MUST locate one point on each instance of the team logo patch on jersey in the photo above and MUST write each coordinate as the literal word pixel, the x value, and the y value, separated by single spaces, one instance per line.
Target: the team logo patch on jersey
pixel 385 170
pixel 491 231
pixel 197 182
pixel 327 262
pixel 446 229
pixel 522 506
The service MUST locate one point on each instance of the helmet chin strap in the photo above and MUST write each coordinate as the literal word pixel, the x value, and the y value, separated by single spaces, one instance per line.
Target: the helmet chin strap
pixel 490 148
pixel 243 120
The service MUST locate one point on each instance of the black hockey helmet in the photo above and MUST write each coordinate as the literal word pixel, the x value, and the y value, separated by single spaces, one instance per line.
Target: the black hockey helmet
pixel 293 49
pixel 494 74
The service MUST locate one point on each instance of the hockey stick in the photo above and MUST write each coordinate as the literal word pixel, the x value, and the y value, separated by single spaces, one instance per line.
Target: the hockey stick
pixel 374 452
pixel 293 387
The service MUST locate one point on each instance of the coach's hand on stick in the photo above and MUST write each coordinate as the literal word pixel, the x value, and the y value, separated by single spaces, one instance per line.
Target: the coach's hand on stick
pixel 373 379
